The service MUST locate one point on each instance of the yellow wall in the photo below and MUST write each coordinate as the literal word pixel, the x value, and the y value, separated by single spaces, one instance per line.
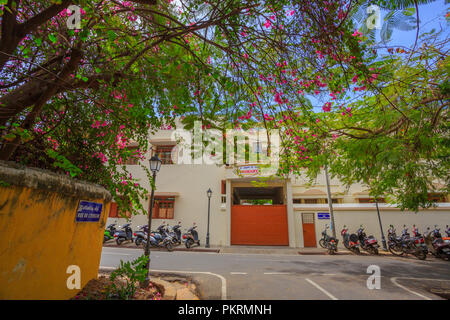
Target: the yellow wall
pixel 40 239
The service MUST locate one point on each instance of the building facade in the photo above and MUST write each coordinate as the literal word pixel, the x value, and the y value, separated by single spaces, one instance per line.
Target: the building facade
pixel 249 209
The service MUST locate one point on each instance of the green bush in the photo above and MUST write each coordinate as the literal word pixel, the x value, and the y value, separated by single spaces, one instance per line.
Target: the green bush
pixel 132 272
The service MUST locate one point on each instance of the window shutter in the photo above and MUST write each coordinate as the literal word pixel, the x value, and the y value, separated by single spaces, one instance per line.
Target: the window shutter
pixel 224 187
pixel 113 210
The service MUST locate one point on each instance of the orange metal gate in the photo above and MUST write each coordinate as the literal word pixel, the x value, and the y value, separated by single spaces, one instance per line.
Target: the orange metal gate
pixel 259 225
pixel 309 230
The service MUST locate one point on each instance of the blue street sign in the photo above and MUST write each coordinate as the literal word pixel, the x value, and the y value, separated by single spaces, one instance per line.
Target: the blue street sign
pixel 88 211
pixel 323 215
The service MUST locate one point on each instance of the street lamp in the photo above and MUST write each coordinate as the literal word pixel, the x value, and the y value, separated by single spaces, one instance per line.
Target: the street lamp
pixel 330 202
pixel 155 165
pixel 208 193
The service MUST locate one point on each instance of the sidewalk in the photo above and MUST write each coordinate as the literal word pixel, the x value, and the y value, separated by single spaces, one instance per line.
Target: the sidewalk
pixel 239 249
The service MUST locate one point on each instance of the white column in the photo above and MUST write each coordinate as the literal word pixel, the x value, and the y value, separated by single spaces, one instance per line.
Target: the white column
pixel 228 206
pixel 290 214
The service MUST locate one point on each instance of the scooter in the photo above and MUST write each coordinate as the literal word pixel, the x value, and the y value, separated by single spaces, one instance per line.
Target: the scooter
pixel 350 240
pixel 176 234
pixel 438 247
pixel 413 245
pixel 157 241
pixel 126 233
pixel 190 238
pixel 368 243
pixel 140 235
pixel 394 242
pixel 447 231
pixel 109 232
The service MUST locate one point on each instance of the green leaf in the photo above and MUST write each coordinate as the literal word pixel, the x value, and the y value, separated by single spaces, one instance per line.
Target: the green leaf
pixel 52 38
pixel 111 35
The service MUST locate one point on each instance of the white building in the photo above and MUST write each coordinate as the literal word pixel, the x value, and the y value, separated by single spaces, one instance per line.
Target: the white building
pixel 295 217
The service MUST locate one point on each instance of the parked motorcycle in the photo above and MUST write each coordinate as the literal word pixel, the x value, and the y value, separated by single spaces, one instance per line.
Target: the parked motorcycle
pixel 414 245
pixel 140 235
pixel 367 243
pixel 350 240
pixel 327 242
pixel 324 241
pixel 190 238
pixel 109 232
pixel 447 231
pixel 175 233
pixel 438 247
pixel 126 233
pixel 394 242
pixel 156 241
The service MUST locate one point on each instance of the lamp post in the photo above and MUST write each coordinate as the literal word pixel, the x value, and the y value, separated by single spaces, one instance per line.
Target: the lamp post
pixel 208 193
pixel 383 239
pixel 155 165
pixel 330 202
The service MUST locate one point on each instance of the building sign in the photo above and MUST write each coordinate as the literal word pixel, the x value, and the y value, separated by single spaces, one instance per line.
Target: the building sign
pixel 248 170
pixel 323 215
pixel 88 211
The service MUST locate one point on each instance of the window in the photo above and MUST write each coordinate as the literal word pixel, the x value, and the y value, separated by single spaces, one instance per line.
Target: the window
pixel 224 186
pixel 311 201
pixel 133 158
pixel 436 198
pixel 115 213
pixel 370 200
pixel 333 200
pixel 297 201
pixel 163 208
pixel 164 153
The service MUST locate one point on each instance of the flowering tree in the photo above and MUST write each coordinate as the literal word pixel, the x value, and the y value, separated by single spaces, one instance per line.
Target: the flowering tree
pixel 76 100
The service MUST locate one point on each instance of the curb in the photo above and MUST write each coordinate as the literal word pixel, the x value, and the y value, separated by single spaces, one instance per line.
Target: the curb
pixel 161 249
pixel 253 251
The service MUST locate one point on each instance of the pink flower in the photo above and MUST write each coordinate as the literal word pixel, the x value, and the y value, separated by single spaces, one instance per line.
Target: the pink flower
pixel 326 107
pixel 278 98
pixel 267 24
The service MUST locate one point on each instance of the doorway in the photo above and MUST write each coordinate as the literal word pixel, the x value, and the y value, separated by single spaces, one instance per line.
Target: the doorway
pixel 309 230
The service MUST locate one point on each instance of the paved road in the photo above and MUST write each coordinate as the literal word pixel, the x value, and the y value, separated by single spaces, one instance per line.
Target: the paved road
pixel 315 277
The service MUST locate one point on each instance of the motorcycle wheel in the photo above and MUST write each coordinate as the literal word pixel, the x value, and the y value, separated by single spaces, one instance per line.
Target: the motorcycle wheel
pixel 322 243
pixel 105 238
pixel 138 241
pixel 373 250
pixel 169 246
pixel 119 241
pixel 421 255
pixel 188 243
pixel 395 250
pixel 356 250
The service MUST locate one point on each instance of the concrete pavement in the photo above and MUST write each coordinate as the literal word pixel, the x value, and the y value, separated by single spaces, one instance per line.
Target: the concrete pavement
pixel 284 275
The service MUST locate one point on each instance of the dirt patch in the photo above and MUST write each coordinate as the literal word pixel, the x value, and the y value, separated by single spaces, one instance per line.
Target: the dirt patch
pixel 97 289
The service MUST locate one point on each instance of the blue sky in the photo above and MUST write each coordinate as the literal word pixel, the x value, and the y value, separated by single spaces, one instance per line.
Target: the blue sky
pixel 430 16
